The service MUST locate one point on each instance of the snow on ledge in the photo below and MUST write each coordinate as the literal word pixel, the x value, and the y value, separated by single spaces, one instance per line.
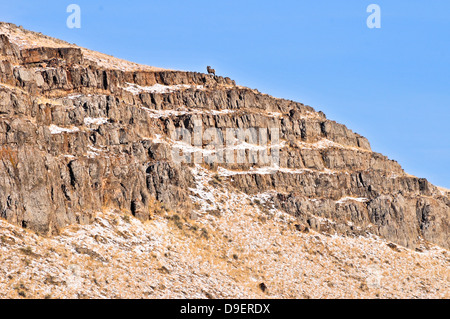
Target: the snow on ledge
pixel 157 114
pixel 95 121
pixel 74 96
pixel 265 170
pixel 325 144
pixel 165 113
pixel 58 130
pixel 221 112
pixel 159 88
pixel 346 199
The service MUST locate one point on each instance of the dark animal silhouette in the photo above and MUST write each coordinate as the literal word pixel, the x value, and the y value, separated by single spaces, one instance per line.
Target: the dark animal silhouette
pixel 263 287
pixel 210 71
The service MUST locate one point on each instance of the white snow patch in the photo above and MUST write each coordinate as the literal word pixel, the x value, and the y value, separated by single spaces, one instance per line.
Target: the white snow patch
pixel 443 191
pixel 359 199
pixel 159 88
pixel 275 114
pixel 270 170
pixel 74 96
pixel 165 113
pixel 96 150
pixel 91 154
pixel 227 111
pixel 179 112
pixel 58 130
pixel 204 195
pixel 158 139
pixel 326 143
pixel 243 146
pixel 259 171
pixel 95 121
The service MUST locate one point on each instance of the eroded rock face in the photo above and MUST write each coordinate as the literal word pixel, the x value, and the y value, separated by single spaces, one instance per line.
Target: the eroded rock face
pixel 77 137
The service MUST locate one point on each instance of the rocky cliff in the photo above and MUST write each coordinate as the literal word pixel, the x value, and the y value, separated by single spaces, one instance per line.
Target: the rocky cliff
pixel 82 132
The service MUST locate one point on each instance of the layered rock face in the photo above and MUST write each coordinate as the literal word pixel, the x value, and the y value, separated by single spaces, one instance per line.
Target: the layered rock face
pixel 81 132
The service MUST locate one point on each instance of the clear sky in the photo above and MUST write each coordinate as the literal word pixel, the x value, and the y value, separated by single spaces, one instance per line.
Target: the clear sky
pixel 391 85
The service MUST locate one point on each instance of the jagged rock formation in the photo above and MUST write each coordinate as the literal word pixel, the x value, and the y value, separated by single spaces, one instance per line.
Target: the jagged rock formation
pixel 81 132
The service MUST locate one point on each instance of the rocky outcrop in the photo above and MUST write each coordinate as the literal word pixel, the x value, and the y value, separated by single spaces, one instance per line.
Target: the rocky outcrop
pixel 68 56
pixel 77 138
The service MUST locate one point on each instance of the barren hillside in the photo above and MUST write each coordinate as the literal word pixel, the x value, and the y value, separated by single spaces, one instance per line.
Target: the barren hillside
pixel 101 197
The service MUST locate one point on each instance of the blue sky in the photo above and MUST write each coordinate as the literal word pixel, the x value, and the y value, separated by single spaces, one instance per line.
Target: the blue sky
pixel 391 85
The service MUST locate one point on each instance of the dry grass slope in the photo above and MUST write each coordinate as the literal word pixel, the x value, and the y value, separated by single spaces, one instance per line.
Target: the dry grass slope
pixel 227 250
pixel 28 39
